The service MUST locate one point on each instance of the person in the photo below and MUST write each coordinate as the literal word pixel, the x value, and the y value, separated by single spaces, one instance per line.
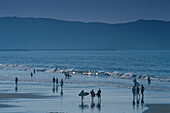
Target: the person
pixel 34 71
pixel 82 96
pixel 31 74
pixel 92 94
pixel 56 81
pixel 16 80
pixel 99 95
pixel 149 80
pixel 62 83
pixel 137 90
pixel 136 83
pixel 133 91
pixel 142 90
pixel 53 80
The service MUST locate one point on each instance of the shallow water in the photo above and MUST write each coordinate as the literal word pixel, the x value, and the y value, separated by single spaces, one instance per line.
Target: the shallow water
pixel 108 68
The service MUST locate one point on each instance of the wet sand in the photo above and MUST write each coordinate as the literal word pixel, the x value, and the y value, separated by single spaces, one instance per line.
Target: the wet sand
pixel 158 108
pixel 44 98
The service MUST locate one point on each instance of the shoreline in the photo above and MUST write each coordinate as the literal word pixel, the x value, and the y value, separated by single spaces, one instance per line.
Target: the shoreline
pixel 157 108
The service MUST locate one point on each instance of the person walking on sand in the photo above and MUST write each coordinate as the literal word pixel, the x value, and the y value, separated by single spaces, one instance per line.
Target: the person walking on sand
pixel 53 80
pixel 99 95
pixel 133 91
pixel 92 94
pixel 142 90
pixel 62 82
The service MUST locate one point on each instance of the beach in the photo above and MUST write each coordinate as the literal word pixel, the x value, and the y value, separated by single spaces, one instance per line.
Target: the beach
pixel 43 97
pixel 89 70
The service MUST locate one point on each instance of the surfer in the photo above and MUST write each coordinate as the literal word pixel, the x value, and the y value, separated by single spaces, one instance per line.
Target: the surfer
pixel 31 74
pixel 133 91
pixel 92 94
pixel 53 80
pixel 99 95
pixel 82 92
pixel 149 80
pixel 142 90
pixel 62 82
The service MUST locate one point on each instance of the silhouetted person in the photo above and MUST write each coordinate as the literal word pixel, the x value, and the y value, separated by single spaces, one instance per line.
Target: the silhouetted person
pixel 137 91
pixel 34 71
pixel 99 95
pixel 136 83
pixel 133 91
pixel 142 90
pixel 31 74
pixel 67 75
pixel 16 84
pixel 62 82
pixel 82 96
pixel 149 80
pixel 92 95
pixel 53 80
pixel 56 81
pixel 16 81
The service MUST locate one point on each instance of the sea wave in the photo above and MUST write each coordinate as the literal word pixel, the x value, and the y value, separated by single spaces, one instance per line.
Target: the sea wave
pixel 54 69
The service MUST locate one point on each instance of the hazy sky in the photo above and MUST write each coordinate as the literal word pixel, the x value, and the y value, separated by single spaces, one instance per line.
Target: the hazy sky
pixel 109 11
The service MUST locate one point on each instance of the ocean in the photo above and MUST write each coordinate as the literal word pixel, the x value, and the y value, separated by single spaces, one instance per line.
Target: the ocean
pixel 117 68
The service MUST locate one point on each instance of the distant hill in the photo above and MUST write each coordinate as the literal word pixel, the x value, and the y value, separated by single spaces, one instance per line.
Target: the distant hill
pixel 45 33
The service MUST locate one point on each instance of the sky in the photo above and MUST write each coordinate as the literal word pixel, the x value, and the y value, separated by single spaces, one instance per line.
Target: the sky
pixel 107 11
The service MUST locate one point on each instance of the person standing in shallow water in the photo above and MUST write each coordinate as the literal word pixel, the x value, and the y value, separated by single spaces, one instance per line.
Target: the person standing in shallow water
pixel 133 91
pixel 53 80
pixel 142 90
pixel 149 80
pixel 16 81
pixel 56 81
pixel 31 74
pixel 138 95
pixel 62 82
pixel 99 95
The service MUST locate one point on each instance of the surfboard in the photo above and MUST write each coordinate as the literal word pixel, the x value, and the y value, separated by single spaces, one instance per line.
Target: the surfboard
pixel 83 94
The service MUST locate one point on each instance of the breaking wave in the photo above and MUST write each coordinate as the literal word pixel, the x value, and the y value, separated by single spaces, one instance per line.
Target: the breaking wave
pixel 54 69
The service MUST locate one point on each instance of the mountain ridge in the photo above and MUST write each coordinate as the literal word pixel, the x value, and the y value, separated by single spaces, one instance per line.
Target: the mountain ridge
pixel 47 33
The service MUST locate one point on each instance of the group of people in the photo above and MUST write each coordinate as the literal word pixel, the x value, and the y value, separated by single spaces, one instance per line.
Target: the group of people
pixel 55 80
pixel 136 91
pixel 92 95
